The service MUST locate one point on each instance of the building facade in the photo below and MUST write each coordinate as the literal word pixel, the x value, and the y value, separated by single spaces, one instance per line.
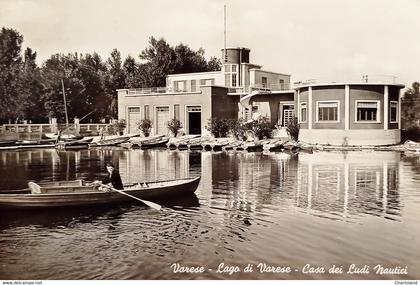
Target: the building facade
pixel 346 113
pixel 365 113
pixel 194 98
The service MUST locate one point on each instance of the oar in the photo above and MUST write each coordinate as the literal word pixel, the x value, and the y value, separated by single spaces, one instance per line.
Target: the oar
pixel 148 203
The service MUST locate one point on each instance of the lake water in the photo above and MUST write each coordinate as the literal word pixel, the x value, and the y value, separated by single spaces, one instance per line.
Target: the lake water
pixel 323 209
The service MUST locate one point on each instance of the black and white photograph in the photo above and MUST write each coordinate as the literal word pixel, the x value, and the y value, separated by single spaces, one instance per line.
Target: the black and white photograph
pixel 209 140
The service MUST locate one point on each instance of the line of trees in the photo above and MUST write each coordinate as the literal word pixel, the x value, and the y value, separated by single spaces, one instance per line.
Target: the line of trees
pixel 32 92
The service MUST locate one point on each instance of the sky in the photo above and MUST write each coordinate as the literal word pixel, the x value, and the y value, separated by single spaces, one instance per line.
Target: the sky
pixel 328 40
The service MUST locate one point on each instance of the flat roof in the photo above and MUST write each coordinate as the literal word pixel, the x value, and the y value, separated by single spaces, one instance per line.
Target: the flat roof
pixel 194 73
pixel 346 83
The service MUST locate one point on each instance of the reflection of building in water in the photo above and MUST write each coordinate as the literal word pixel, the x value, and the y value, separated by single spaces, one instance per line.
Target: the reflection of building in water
pixel 246 181
pixel 153 165
pixel 346 183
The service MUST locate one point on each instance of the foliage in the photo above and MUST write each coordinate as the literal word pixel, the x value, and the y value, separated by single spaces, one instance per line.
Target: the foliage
pixel 32 92
pixel 119 126
pixel 162 59
pixel 293 129
pixel 412 133
pixel 10 74
pixel 238 129
pixel 260 128
pixel 410 107
pixel 174 126
pixel 218 127
pixel 145 125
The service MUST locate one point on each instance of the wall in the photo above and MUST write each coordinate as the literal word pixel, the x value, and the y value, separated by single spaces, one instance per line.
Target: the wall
pixel 168 99
pixel 328 93
pixel 350 137
pixel 222 105
pixel 216 75
pixel 268 105
pixel 366 92
pixel 256 76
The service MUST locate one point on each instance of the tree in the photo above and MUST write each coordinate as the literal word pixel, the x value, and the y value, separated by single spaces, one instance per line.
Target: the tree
pixel 131 70
pixel 160 59
pixel 32 88
pixel 10 74
pixel 115 79
pixel 410 107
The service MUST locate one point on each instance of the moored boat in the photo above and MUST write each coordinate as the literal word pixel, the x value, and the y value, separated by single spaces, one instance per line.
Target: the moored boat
pixel 78 144
pixel 412 146
pixel 111 142
pixel 81 193
pixel 158 142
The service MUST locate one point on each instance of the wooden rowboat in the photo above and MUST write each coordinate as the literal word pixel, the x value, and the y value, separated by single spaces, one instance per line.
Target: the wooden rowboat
pixel 80 193
pixel 111 142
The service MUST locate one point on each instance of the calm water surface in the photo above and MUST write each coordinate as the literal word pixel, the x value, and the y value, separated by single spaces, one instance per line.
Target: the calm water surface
pixel 321 209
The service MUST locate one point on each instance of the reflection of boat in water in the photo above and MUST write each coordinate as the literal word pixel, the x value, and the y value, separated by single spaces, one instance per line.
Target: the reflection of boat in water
pixel 77 144
pixel 79 193
pixel 69 216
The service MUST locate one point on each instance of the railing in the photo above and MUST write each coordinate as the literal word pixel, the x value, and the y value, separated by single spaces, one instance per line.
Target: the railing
pixel 367 78
pixel 51 128
pixel 157 90
pixel 261 87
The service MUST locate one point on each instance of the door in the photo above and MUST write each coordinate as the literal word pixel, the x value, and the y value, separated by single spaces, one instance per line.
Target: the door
pixel 194 120
pixel 288 114
pixel 133 118
pixel 162 118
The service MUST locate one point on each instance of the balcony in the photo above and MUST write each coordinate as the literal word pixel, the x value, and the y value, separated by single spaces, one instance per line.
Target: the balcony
pixel 261 87
pixel 157 91
pixel 367 78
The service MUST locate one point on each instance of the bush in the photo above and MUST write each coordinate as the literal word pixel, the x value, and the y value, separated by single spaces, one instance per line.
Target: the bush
pixel 117 127
pixel 145 126
pixel 412 133
pixel 238 129
pixel 174 126
pixel 218 127
pixel 293 129
pixel 260 128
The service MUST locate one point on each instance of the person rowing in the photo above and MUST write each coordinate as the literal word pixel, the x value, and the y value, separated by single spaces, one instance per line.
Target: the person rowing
pixel 112 179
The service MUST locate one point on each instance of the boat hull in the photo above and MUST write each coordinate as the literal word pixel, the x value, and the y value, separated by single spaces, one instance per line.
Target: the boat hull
pixel 95 197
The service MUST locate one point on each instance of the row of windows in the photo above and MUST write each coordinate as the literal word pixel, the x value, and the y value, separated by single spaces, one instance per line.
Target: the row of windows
pixel 136 110
pixel 182 86
pixel 366 111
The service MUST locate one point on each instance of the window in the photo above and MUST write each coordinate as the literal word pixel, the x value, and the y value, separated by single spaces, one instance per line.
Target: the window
pixel 393 112
pixel 194 109
pixel 133 110
pixel 327 111
pixel 231 75
pixel 176 111
pixel 193 86
pixel 303 112
pixel 179 86
pixel 281 84
pixel 207 82
pixel 146 112
pixel 233 80
pixel 227 79
pixel 264 82
pixel 367 111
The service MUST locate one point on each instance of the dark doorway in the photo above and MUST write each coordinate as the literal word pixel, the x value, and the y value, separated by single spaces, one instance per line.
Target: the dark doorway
pixel 194 123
